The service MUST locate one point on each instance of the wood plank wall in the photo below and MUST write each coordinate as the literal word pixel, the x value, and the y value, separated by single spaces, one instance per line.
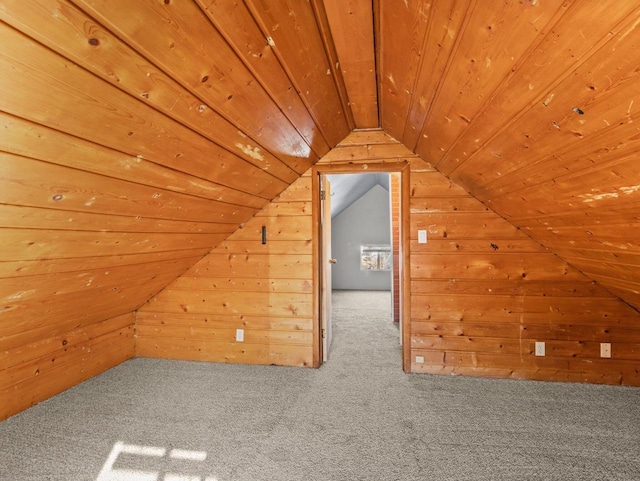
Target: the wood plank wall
pixel 35 371
pixel 129 148
pixel 482 292
pixel 264 289
pixel 533 107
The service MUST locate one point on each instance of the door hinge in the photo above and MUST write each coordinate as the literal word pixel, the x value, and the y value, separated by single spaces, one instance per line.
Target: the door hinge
pixel 324 334
pixel 323 194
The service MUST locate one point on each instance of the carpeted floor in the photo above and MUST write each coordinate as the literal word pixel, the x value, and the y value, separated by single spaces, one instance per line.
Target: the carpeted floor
pixel 359 417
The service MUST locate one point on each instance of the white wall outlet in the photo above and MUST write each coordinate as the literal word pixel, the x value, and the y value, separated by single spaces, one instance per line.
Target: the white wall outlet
pixel 540 348
pixel 419 359
pixel 422 237
pixel 240 335
pixel 605 349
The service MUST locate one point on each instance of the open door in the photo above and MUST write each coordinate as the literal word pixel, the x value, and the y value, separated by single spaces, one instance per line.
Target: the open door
pixel 326 261
pixel 323 261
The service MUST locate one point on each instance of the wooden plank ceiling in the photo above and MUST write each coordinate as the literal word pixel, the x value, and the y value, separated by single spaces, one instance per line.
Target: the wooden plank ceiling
pixel 137 135
pixel 531 106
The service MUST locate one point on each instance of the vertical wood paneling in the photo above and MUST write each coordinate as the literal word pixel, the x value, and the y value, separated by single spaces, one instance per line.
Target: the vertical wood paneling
pixel 265 289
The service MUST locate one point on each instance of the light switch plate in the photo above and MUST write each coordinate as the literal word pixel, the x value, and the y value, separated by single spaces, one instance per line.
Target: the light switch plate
pixel 422 237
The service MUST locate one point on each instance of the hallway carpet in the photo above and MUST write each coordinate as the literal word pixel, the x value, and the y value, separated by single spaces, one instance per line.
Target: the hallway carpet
pixel 359 417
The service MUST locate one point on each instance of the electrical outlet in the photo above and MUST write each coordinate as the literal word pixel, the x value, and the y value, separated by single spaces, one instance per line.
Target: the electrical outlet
pixel 605 349
pixel 540 348
pixel 419 359
pixel 240 335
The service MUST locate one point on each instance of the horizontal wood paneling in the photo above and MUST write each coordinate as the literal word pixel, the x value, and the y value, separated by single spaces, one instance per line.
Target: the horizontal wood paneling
pixel 112 118
pixel 470 245
pixel 79 264
pixel 28 329
pixel 33 244
pixel 35 371
pixel 508 287
pixel 134 147
pixel 483 293
pixel 119 64
pixel 62 220
pixel 491 365
pixel 265 289
pixel 200 59
pixel 254 304
pixel 34 141
pixel 25 287
pixel 207 349
pixel 25 306
pixel 128 150
pixel 236 24
pixel 537 122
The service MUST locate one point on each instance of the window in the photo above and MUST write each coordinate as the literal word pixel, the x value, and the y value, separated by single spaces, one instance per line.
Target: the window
pixel 375 258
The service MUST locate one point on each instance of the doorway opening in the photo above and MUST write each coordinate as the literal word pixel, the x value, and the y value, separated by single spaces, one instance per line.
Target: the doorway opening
pixel 360 242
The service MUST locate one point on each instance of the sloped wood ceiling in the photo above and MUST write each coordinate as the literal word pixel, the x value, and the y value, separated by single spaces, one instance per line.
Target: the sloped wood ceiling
pixel 531 106
pixel 137 135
